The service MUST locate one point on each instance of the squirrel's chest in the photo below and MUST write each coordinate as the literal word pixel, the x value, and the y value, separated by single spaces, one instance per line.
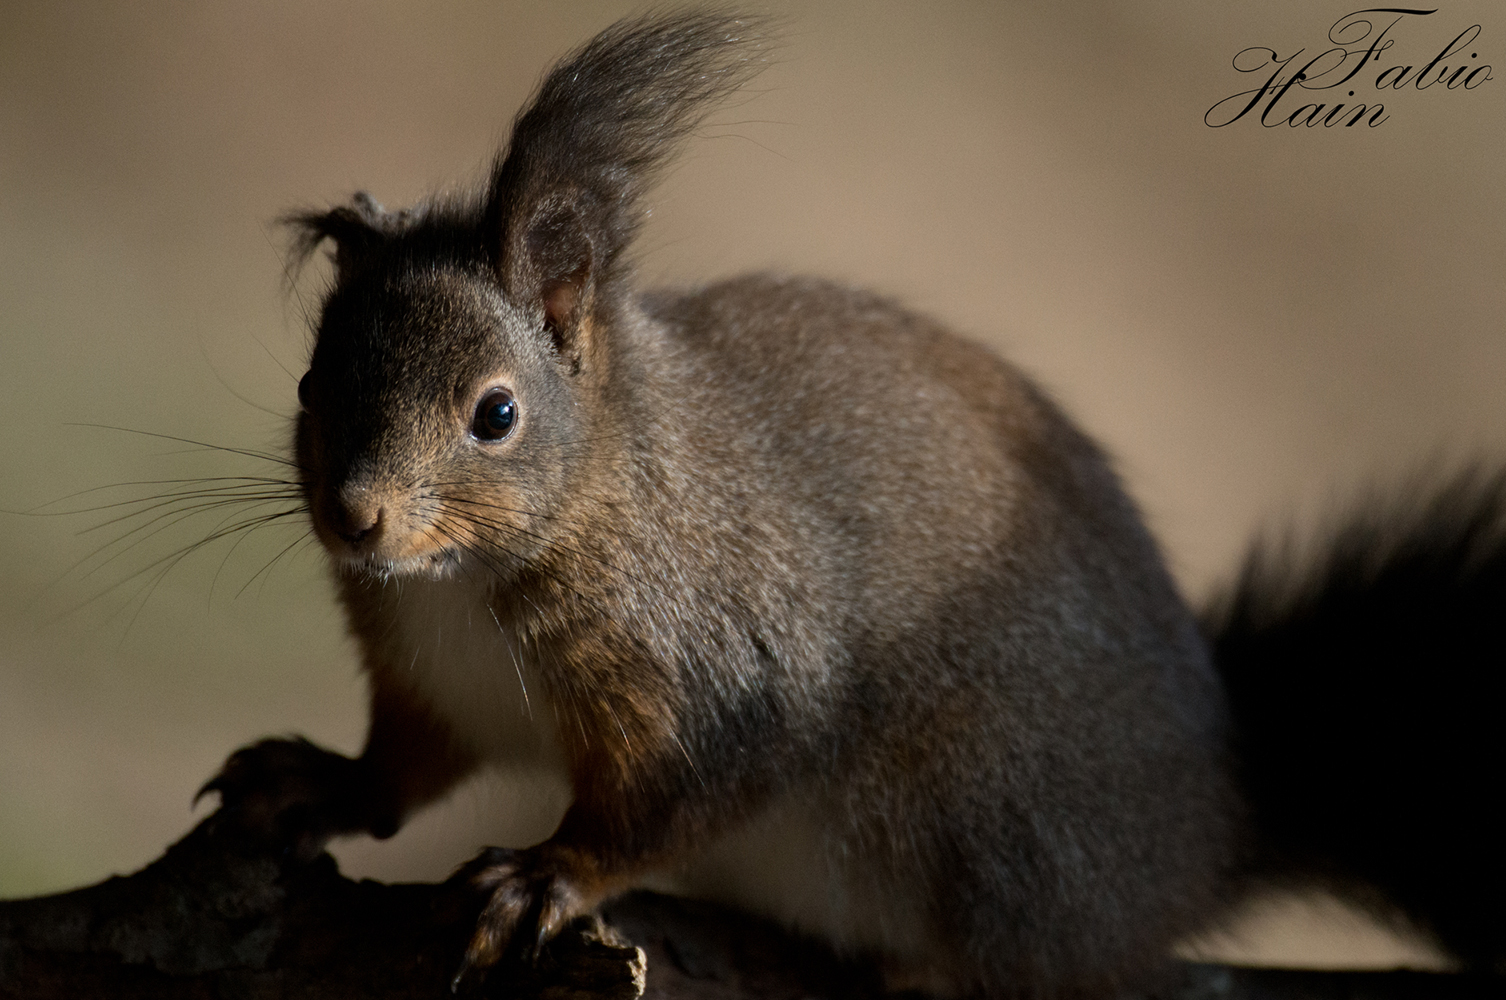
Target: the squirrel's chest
pixel 445 646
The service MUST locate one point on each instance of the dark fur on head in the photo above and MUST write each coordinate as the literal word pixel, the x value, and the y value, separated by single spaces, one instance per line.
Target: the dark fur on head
pixel 564 200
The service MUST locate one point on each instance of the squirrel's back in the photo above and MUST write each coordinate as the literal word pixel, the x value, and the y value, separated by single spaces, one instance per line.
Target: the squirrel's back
pixel 1010 716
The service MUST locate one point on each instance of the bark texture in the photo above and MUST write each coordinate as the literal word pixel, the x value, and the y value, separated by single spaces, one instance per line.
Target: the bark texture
pixel 217 917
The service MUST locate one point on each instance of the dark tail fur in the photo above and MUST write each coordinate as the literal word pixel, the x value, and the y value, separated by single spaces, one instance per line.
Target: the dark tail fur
pixel 1368 698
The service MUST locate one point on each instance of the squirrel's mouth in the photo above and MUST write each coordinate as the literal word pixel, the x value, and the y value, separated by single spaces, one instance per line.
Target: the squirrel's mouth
pixel 391 547
pixel 436 564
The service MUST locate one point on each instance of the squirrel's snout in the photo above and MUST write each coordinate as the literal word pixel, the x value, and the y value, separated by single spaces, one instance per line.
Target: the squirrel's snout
pixel 360 525
pixel 356 516
pixel 367 525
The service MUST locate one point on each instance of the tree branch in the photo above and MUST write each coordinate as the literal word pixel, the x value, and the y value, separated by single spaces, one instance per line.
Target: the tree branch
pixel 216 916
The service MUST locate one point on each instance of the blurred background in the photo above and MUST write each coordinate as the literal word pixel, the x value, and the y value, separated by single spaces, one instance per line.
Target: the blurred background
pixel 1256 321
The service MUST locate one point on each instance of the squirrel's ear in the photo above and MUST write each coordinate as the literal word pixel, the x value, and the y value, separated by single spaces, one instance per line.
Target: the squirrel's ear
pixel 356 230
pixel 550 261
pixel 564 200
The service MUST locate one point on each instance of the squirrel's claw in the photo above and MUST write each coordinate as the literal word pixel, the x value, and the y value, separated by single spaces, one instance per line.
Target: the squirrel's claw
pixel 531 897
pixel 289 792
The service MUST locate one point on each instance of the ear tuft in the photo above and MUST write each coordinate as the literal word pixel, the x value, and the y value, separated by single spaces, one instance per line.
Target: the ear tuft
pixel 356 229
pixel 563 204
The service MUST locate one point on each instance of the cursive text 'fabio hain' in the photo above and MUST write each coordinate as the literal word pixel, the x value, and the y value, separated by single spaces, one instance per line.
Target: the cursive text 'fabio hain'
pixel 1358 41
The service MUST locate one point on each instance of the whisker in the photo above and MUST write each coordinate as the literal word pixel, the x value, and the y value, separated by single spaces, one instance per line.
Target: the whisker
pixel 482 556
pixel 247 524
pixel 694 770
pixel 248 481
pixel 237 543
pixel 470 547
pixel 506 641
pixel 204 353
pixel 449 498
pixel 186 501
pixel 606 704
pixel 157 569
pixel 169 519
pixel 554 543
pixel 265 571
pixel 248 453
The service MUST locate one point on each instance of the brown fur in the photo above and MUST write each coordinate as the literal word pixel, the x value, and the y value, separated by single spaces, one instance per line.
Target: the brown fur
pixel 768 545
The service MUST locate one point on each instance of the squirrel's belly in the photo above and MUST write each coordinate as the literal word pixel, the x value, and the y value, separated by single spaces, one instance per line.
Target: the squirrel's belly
pixel 454 655
pixel 793 865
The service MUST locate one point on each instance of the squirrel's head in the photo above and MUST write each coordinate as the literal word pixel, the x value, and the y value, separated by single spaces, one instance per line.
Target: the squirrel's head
pixel 462 394
pixel 441 419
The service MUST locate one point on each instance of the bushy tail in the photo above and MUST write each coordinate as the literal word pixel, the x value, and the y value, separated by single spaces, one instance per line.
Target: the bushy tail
pixel 1368 695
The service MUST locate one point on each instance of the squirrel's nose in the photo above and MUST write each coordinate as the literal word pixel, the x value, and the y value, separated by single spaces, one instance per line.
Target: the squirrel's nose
pixel 360 525
pixel 357 516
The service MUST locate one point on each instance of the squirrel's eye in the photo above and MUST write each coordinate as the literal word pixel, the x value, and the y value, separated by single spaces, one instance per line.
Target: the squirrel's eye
pixel 305 392
pixel 495 416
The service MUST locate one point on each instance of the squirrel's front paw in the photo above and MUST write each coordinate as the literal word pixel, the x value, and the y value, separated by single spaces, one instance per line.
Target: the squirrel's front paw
pixel 291 793
pixel 531 895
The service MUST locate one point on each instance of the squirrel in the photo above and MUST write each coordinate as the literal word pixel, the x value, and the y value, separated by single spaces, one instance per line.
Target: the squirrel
pixel 829 611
